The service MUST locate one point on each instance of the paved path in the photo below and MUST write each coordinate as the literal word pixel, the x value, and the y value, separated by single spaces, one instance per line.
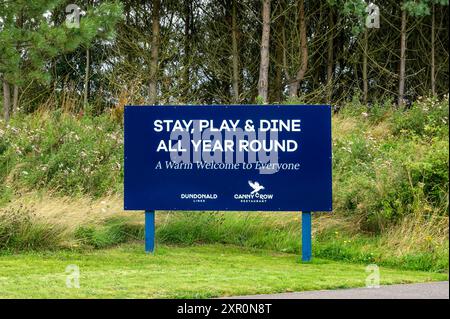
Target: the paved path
pixel 433 290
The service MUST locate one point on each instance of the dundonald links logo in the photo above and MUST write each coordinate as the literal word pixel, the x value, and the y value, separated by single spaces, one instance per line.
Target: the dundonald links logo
pixel 199 198
pixel 254 196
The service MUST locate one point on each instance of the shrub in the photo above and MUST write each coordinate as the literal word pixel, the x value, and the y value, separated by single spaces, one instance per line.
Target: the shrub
pixel 114 231
pixel 249 229
pixel 20 229
pixel 431 172
pixel 377 180
pixel 62 153
pixel 427 117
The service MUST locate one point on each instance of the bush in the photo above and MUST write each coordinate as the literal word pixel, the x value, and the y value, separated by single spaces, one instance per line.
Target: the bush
pixel 250 230
pixel 427 117
pixel 62 153
pixel 20 229
pixel 379 175
pixel 114 231
pixel 431 172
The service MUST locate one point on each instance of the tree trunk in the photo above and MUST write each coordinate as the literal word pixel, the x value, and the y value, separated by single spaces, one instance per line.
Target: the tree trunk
pixel 276 85
pixel 401 82
pixel 293 88
pixel 263 83
pixel 277 90
pixel 433 62
pixel 187 48
pixel 86 78
pixel 365 53
pixel 6 100
pixel 330 57
pixel 234 40
pixel 15 105
pixel 152 88
pixel 289 79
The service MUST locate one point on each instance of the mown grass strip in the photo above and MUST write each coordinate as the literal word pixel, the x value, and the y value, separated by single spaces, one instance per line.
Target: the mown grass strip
pixel 181 272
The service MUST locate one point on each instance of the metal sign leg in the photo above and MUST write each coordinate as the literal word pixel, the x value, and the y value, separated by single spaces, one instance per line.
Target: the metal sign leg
pixel 306 236
pixel 149 231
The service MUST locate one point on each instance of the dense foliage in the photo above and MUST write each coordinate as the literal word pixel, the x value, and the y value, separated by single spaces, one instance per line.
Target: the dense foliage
pixel 200 52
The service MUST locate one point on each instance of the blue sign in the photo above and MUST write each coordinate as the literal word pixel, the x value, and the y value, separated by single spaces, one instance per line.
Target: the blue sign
pixel 228 157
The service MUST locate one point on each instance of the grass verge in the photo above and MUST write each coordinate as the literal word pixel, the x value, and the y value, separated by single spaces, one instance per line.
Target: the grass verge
pixel 332 238
pixel 181 272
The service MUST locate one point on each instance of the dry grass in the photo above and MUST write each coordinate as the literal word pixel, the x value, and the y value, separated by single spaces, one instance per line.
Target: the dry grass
pixel 417 232
pixel 381 131
pixel 343 126
pixel 72 212
pixel 331 221
pixel 413 231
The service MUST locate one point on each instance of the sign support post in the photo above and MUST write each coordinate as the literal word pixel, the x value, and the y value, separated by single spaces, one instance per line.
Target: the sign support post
pixel 306 236
pixel 149 231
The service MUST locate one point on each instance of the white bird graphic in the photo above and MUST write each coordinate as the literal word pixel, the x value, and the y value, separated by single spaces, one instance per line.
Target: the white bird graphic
pixel 256 187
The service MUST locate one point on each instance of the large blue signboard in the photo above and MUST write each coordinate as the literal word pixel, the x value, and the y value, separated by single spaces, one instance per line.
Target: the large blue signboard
pixel 234 157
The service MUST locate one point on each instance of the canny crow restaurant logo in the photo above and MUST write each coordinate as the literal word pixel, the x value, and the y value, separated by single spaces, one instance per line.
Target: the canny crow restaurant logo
pixel 254 196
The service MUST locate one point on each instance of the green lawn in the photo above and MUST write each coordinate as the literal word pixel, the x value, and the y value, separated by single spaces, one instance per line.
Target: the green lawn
pixel 180 272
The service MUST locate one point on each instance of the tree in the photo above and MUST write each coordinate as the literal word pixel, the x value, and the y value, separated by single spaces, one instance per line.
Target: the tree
pixel 294 83
pixel 6 99
pixel 263 82
pixel 416 8
pixel 357 9
pixel 330 55
pixel 208 52
pixel 433 41
pixel 188 36
pixel 27 47
pixel 234 41
pixel 401 75
pixel 152 88
pixel 86 77
pixel 433 62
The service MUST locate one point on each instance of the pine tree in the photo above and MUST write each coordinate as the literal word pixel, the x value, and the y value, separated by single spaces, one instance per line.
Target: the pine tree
pixel 29 38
